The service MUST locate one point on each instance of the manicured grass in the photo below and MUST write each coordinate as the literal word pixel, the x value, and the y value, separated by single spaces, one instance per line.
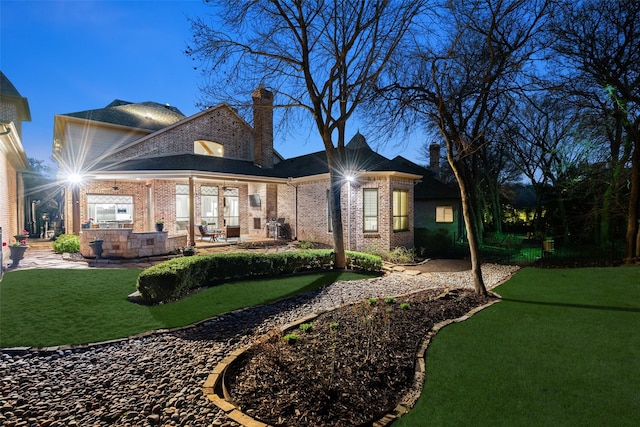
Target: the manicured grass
pixel 562 349
pixel 56 307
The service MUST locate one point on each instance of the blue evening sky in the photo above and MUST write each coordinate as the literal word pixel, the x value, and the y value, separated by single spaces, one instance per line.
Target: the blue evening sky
pixel 66 56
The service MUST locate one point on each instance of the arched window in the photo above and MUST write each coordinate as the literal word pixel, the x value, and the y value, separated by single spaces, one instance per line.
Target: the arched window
pixel 208 148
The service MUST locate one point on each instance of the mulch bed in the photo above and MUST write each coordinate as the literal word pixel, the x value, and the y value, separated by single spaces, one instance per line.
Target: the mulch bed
pixel 352 367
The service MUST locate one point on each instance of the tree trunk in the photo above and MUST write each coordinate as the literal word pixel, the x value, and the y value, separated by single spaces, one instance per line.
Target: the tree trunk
pixel 563 217
pixel 340 258
pixel 631 249
pixel 472 232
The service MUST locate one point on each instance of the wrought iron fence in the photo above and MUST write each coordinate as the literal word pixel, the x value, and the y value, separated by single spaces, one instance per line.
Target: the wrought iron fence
pixel 519 250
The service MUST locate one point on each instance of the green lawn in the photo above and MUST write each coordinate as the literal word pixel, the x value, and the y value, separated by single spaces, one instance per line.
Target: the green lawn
pixel 56 307
pixel 562 349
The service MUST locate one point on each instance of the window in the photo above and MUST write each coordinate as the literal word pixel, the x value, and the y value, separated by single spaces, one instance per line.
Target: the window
pixel 329 215
pixel 400 210
pixel 209 205
pixel 182 206
pixel 231 206
pixel 208 148
pixel 105 208
pixel 444 213
pixel 370 209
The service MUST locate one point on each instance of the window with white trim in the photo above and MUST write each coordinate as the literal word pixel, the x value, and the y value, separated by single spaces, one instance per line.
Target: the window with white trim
pixel 109 208
pixel 209 205
pixel 444 213
pixel 370 209
pixel 231 206
pixel 400 210
pixel 182 206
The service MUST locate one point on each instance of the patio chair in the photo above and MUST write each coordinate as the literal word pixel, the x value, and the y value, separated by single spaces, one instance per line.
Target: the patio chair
pixel 205 234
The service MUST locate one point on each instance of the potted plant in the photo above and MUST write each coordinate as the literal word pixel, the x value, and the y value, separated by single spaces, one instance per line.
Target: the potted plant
pixel 96 246
pixel 160 225
pixel 22 236
pixel 87 223
pixel 188 251
pixel 17 250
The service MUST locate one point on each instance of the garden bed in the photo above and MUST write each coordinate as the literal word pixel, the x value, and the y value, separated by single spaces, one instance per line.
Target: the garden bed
pixel 349 368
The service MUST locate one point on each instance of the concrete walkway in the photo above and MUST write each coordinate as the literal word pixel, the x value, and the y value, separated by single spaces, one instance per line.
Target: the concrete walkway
pixel 41 255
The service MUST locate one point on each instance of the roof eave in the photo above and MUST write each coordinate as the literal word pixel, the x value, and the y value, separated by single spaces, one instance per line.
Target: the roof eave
pixel 14 150
pixel 181 174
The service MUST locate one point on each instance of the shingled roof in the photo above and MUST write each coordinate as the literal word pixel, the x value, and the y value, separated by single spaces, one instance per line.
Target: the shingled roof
pixel 9 93
pixel 358 157
pixel 143 115
pixel 188 162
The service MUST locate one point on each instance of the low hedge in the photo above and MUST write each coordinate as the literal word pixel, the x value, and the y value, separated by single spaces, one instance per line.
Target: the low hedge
pixel 176 278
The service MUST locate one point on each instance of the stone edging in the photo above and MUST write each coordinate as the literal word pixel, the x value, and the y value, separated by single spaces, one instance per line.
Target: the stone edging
pixel 215 388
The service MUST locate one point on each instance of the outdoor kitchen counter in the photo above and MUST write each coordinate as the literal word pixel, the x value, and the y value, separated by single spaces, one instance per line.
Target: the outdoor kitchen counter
pixel 125 243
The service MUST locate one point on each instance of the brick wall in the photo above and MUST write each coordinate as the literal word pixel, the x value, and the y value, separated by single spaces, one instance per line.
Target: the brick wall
pixel 287 207
pixel 312 212
pixel 163 202
pixel 220 124
pixel 9 113
pixel 8 195
pixel 313 220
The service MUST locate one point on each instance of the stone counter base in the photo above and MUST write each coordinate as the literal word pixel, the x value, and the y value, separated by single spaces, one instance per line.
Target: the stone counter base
pixel 125 243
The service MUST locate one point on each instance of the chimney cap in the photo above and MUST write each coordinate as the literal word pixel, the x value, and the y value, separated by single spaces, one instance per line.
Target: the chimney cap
pixel 262 92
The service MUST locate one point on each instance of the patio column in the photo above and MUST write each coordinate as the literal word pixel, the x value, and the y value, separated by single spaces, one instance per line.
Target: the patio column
pixel 75 208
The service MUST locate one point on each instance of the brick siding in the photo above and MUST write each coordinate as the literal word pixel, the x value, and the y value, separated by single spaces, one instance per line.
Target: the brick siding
pixel 220 124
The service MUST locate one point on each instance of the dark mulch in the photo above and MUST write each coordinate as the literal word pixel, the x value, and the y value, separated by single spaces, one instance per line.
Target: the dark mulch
pixel 351 368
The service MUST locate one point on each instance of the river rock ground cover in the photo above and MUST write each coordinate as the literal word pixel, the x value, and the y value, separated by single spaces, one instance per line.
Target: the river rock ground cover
pixel 158 379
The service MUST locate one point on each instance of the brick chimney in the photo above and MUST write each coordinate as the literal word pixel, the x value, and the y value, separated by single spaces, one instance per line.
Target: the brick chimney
pixel 434 159
pixel 263 127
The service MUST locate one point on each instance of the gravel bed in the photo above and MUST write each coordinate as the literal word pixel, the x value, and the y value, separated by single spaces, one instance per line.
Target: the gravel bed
pixel 157 380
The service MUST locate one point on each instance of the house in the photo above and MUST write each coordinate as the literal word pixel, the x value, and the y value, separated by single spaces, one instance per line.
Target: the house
pixel 14 109
pixel 137 163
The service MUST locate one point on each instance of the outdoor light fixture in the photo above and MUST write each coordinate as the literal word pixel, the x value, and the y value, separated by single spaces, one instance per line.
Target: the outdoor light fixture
pixel 74 178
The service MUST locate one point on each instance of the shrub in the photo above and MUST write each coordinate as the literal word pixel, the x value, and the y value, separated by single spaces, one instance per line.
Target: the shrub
pixel 367 262
pixel 177 277
pixel 399 255
pixel 66 243
pixel 305 244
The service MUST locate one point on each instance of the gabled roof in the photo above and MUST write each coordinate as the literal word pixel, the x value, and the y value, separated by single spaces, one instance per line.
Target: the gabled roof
pixel 143 115
pixel 9 93
pixel 429 187
pixel 358 157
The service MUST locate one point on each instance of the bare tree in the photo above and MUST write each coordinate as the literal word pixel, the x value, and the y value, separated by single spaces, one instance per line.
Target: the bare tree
pixel 320 56
pixel 458 80
pixel 599 39
pixel 548 141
